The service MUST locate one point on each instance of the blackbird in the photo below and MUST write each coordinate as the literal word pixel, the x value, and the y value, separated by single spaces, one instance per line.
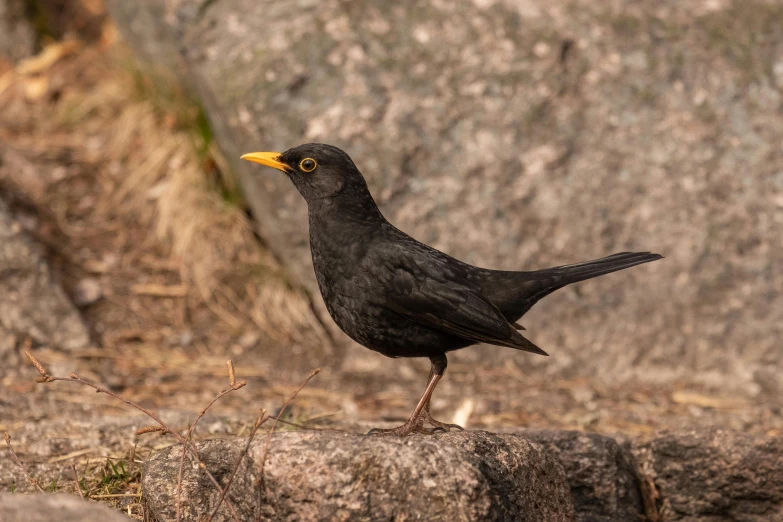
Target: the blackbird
pixel 400 297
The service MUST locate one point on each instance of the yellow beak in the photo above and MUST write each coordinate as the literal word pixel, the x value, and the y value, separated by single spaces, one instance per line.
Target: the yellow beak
pixel 270 159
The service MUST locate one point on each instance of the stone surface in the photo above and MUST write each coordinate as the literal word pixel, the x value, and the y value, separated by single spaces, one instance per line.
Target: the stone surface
pixel 332 476
pixel 521 134
pixel 17 38
pixel 46 508
pixel 715 476
pixel 601 473
pixel 32 304
pixel 710 476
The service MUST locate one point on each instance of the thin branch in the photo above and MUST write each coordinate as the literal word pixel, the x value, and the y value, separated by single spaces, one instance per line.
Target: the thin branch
pixel 192 449
pixel 19 463
pixel 179 482
pixel 118 495
pixel 233 386
pixel 259 421
pixel 76 479
pixel 311 428
pixel 257 424
pixel 277 419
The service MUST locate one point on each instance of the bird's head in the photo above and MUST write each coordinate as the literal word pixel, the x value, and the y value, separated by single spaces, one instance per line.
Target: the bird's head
pixel 318 171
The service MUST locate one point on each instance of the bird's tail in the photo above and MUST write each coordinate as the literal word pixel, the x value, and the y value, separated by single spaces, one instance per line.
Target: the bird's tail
pixel 514 293
pixel 567 274
pixel 551 279
pixel 518 342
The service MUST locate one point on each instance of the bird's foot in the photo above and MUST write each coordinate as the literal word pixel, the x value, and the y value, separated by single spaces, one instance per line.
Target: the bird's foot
pixel 409 428
pixel 426 418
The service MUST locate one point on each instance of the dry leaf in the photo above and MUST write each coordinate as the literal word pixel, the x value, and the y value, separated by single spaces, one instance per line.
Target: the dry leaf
pixel 705 401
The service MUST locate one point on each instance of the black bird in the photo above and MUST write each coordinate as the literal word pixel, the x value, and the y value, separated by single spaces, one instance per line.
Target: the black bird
pixel 400 297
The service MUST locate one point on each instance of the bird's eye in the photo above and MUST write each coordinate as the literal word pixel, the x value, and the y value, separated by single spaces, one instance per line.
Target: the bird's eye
pixel 308 165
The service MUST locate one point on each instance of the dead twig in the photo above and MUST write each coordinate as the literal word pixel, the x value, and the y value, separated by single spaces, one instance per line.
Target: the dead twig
pixel 191 447
pixel 233 386
pixel 650 498
pixel 179 481
pixel 118 495
pixel 259 421
pixel 311 428
pixel 277 419
pixel 30 478
pixel 76 479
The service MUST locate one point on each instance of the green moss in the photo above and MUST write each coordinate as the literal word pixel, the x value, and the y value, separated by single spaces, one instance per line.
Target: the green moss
pixel 202 130
pixel 170 100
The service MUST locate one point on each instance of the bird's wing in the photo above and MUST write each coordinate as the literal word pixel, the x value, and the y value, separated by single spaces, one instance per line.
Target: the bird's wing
pixel 431 298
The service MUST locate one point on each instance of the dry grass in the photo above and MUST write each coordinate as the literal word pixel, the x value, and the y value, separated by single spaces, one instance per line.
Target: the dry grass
pixel 128 191
pixel 112 481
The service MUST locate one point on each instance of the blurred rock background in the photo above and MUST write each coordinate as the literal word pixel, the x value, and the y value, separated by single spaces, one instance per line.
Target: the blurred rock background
pixel 513 134
pixel 523 134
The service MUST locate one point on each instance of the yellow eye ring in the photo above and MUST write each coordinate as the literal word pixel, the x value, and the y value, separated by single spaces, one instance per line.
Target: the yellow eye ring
pixel 307 165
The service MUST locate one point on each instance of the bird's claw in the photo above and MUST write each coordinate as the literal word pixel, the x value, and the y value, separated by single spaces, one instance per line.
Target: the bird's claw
pixel 410 428
pixel 405 430
pixel 400 431
pixel 429 431
pixel 426 418
pixel 446 427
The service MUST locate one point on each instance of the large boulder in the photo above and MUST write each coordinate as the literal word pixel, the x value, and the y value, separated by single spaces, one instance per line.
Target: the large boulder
pixel 602 474
pixel 520 134
pixel 711 476
pixel 715 476
pixel 63 508
pixel 331 476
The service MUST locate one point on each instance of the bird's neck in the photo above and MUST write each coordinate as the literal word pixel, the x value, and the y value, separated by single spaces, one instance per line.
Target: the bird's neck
pixel 340 232
pixel 353 207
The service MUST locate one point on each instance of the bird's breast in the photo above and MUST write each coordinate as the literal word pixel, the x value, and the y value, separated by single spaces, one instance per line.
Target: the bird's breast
pixel 338 255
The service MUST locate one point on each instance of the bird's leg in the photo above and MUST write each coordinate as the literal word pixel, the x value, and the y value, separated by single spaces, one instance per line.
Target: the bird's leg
pixel 414 423
pixel 425 417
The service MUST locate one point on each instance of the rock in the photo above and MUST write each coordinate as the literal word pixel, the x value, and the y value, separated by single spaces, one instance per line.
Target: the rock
pixel 17 38
pixel 601 473
pixel 63 508
pixel 32 304
pixel 715 476
pixel 521 135
pixel 333 476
